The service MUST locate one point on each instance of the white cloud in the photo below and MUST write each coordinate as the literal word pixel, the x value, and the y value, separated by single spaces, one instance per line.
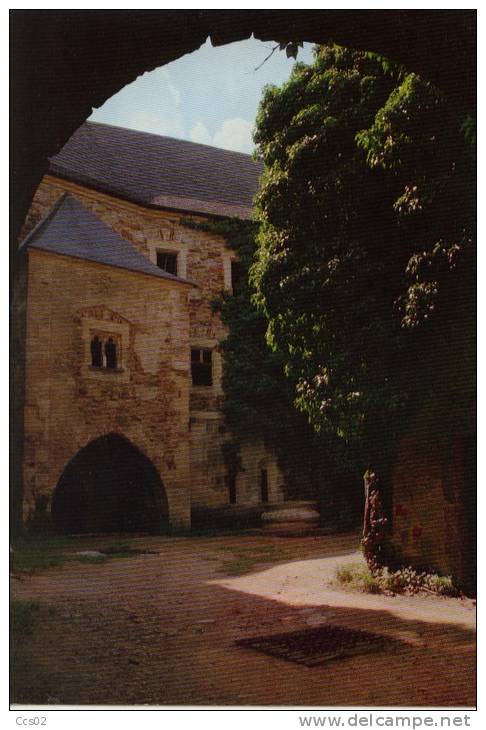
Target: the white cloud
pixel 152 103
pixel 199 133
pixel 164 75
pixel 145 121
pixel 235 134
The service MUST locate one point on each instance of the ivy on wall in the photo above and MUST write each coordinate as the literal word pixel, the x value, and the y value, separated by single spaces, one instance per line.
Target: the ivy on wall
pixel 259 395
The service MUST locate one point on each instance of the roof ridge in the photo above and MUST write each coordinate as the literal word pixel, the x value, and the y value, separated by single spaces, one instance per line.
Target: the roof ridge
pixel 165 136
pixel 147 168
pixel 38 226
pixel 127 256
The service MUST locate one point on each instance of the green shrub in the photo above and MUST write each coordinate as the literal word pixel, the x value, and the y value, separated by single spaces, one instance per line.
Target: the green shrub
pixel 358 577
pixel 370 584
pixel 442 584
pixel 405 580
pixel 351 573
pixel 344 575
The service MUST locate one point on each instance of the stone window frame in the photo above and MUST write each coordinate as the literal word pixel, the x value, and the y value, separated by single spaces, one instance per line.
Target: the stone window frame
pixel 228 259
pixel 239 278
pixel 201 343
pixel 201 361
pixel 120 332
pixel 104 336
pixel 171 261
pixel 170 247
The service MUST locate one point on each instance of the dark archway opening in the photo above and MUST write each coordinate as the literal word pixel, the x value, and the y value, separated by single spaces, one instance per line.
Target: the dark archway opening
pixel 110 486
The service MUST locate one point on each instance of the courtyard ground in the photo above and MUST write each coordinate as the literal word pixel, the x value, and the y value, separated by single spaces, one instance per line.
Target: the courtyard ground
pixel 160 628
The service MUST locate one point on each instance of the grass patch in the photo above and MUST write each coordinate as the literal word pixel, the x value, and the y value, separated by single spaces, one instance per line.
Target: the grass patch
pixel 90 559
pixel 35 552
pixel 38 552
pixel 261 549
pixel 245 558
pixel 357 576
pixel 209 532
pixel 238 566
pixel 117 549
pixel 124 551
pixel 28 562
pixel 23 615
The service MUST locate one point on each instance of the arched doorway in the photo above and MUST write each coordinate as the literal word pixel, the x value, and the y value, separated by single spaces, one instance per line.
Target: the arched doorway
pixel 110 486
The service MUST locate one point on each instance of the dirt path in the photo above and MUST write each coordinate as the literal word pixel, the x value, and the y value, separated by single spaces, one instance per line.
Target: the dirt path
pixel 160 629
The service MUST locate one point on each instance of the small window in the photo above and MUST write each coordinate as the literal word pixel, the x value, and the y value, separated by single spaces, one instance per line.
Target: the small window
pixel 167 261
pixel 96 352
pixel 201 367
pixel 110 354
pixel 232 488
pixel 105 351
pixel 237 274
pixel 264 485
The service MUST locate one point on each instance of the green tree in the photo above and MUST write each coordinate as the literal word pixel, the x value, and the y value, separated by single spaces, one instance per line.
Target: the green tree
pixel 365 206
pixel 260 398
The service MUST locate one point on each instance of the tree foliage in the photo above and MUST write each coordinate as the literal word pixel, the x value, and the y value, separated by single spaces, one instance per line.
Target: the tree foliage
pixel 259 396
pixel 366 207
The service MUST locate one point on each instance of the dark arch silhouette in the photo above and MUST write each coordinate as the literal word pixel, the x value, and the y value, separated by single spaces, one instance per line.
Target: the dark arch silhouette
pixel 110 486
pixel 62 71
pixel 67 62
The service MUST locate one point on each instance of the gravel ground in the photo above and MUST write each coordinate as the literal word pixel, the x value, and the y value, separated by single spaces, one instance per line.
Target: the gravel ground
pixel 159 629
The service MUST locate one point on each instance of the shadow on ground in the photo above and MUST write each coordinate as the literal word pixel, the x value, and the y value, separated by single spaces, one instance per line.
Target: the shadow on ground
pixel 161 630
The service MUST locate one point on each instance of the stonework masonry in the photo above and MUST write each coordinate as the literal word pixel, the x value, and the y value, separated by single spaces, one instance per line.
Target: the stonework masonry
pixel 433 505
pixel 66 406
pixel 63 402
pixel 151 399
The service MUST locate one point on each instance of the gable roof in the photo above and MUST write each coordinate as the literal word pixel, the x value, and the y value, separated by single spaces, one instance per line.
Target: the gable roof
pixel 160 172
pixel 72 230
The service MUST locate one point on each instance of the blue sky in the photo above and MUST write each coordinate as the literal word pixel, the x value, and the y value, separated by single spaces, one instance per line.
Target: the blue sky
pixel 209 96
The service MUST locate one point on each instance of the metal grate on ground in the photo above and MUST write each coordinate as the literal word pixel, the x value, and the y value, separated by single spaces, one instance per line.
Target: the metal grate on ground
pixel 317 646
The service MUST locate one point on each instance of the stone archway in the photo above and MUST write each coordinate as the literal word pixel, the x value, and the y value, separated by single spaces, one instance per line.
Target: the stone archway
pixel 66 62
pixel 110 486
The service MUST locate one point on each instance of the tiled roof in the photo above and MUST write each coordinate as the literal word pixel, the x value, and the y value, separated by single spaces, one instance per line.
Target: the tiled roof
pixel 159 171
pixel 72 230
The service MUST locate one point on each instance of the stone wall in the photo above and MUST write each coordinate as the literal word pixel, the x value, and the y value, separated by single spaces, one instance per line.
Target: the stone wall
pixel 209 473
pixel 68 404
pixel 205 260
pixel 202 256
pixel 17 387
pixel 433 477
pixel 433 505
pixel 254 458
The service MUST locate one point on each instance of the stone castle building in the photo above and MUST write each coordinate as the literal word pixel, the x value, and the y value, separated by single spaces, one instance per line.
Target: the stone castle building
pixel 123 427
pixel 122 421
